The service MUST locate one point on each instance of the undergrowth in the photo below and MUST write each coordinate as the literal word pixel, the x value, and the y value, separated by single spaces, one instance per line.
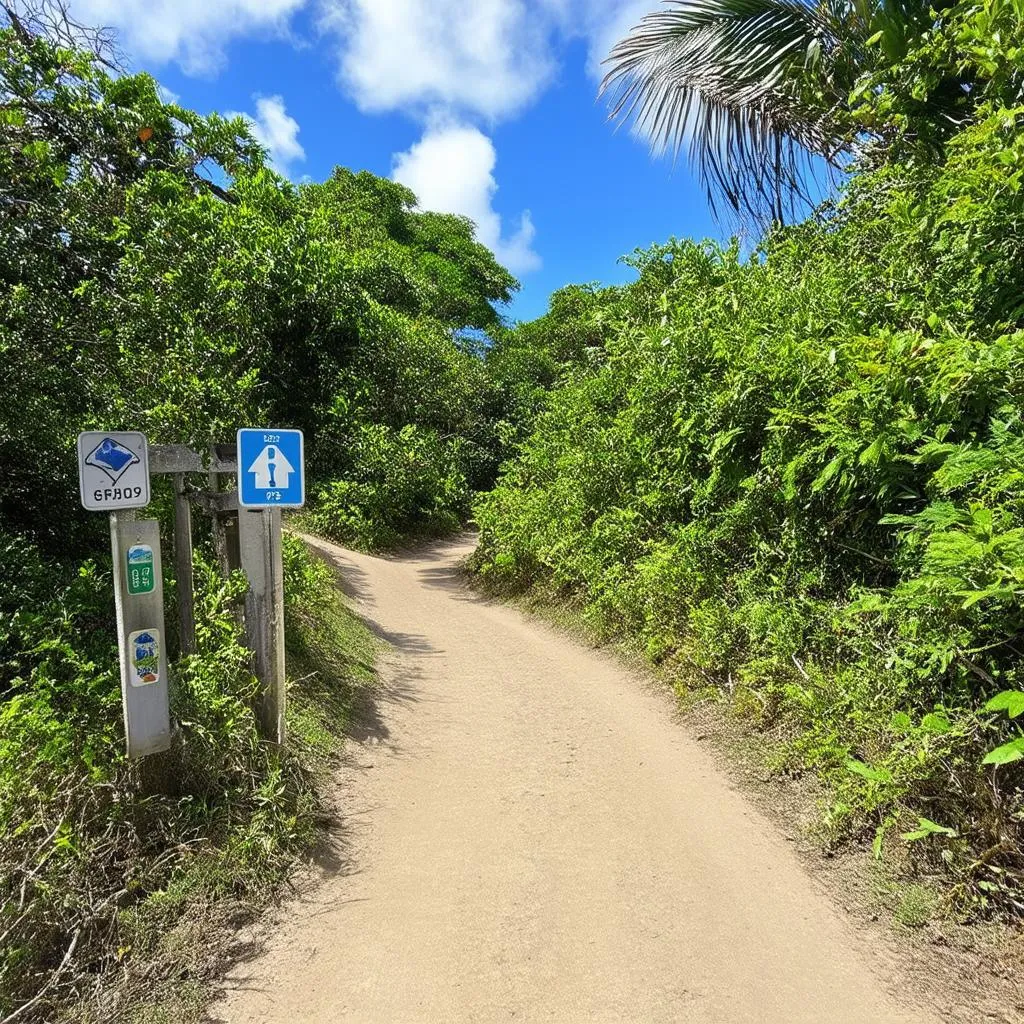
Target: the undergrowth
pixel 405 484
pixel 117 902
pixel 797 479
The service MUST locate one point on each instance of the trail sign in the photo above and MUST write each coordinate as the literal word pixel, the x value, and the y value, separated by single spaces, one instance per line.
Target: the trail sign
pixel 113 470
pixel 271 469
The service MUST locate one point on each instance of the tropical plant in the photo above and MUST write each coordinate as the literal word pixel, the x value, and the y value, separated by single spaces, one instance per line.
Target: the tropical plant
pixel 794 482
pixel 758 90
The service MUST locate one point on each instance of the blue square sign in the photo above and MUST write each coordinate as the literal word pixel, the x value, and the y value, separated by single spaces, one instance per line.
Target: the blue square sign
pixel 271 472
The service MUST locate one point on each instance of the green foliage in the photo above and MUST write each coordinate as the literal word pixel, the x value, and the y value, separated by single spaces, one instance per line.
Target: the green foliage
pixel 967 54
pixel 401 482
pixel 97 863
pixel 927 828
pixel 798 476
pixel 526 360
pixel 1012 702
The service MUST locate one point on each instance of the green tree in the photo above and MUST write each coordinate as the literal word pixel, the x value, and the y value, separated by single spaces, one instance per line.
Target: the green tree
pixel 154 272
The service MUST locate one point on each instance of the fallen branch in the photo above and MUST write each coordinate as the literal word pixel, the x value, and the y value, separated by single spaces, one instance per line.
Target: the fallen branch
pixel 976 669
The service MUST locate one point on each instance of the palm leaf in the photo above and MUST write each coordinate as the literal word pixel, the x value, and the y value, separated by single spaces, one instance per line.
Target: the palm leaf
pixel 746 86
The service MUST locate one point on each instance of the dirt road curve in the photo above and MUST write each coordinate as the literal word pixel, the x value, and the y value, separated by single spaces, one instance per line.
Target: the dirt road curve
pixel 532 838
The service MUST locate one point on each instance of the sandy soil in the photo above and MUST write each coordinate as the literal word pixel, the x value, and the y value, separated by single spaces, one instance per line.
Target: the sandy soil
pixel 530 836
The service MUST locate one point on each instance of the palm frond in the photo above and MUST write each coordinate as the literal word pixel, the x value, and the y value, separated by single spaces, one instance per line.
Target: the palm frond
pixel 744 85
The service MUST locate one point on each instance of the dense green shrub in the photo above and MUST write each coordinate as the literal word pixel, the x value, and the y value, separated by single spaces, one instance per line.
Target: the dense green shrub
pixel 401 483
pixel 98 864
pixel 798 477
pixel 526 360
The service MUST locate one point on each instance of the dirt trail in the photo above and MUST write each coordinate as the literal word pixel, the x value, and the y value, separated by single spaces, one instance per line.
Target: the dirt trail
pixel 533 838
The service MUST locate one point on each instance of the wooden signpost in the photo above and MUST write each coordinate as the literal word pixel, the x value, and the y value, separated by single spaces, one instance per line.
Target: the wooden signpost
pixel 139 605
pixel 114 475
pixel 259 543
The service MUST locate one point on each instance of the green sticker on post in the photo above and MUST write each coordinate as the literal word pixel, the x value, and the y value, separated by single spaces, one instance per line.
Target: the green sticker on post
pixel 141 578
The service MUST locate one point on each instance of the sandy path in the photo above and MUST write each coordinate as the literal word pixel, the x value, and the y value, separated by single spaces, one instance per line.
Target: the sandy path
pixel 533 838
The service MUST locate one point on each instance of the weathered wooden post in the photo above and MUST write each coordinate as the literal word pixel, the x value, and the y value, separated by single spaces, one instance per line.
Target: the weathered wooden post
pixel 183 569
pixel 259 534
pixel 271 476
pixel 225 525
pixel 177 461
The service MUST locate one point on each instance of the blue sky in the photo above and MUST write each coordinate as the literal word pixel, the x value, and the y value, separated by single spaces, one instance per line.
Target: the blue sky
pixel 483 107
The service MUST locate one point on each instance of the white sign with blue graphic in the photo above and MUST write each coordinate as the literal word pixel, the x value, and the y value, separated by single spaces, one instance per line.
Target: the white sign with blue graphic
pixel 271 469
pixel 113 469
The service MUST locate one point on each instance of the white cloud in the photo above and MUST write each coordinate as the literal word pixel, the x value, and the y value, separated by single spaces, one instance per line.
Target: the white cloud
pixel 469 59
pixel 479 59
pixel 191 32
pixel 276 130
pixel 451 171
pixel 489 58
pixel 605 22
pixel 485 57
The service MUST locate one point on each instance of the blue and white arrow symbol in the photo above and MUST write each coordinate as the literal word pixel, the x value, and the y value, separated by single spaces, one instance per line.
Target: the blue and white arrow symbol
pixel 271 469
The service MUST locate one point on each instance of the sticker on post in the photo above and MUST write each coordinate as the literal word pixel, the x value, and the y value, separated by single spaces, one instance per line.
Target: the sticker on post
pixel 113 458
pixel 141 574
pixel 144 657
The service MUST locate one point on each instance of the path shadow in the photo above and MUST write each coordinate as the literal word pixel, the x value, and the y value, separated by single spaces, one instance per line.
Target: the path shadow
pixel 353 581
pixel 367 715
pixel 432 550
pixel 366 728
pixel 333 855
pixel 451 578
pixel 408 643
pixel 398 685
pixel 456 581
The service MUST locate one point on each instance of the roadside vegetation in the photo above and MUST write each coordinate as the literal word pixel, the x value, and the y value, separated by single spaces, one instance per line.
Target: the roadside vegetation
pixel 123 883
pixel 156 274
pixel 795 478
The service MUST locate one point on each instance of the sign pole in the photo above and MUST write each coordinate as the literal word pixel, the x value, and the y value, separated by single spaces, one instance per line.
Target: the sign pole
pixel 139 604
pixel 274 701
pixel 259 534
pixel 271 476
pixel 183 566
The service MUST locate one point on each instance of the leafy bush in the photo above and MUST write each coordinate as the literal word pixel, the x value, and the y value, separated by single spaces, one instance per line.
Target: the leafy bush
pixel 102 859
pixel 403 482
pixel 798 478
